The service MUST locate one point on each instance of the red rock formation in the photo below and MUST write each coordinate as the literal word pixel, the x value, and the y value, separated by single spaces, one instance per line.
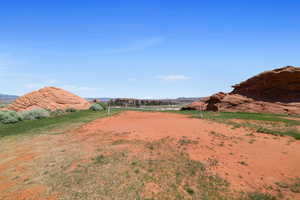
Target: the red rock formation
pixel 50 98
pixel 279 85
pixel 195 106
pixel 276 91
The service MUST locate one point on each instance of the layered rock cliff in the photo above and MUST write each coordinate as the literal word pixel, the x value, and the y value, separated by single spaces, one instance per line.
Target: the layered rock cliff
pixel 276 91
pixel 50 98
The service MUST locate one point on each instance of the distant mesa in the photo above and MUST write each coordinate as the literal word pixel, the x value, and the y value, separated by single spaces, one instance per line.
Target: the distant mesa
pixel 50 98
pixel 4 98
pixel 275 91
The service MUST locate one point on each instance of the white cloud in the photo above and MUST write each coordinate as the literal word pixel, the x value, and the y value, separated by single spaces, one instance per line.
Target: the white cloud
pixel 174 77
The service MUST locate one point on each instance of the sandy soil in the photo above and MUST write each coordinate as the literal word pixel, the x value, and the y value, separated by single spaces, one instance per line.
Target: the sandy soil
pixel 250 162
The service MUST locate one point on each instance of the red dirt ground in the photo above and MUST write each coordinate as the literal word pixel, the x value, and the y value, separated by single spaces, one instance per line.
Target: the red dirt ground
pixel 248 162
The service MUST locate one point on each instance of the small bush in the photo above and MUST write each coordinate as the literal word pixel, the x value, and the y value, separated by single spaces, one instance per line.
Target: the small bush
pixel 99 159
pixel 7 117
pixel 34 114
pixel 57 112
pixel 2 105
pixel 190 191
pixel 71 110
pixel 103 104
pixel 96 107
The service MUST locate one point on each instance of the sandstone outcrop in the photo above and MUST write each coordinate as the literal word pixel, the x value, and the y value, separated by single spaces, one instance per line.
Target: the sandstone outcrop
pixel 279 85
pixel 276 91
pixel 50 98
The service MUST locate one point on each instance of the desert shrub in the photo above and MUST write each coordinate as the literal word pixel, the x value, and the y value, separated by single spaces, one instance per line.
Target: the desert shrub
pixel 96 107
pixel 261 196
pixel 71 110
pixel 8 116
pixel 34 114
pixel 2 105
pixel 103 104
pixel 57 112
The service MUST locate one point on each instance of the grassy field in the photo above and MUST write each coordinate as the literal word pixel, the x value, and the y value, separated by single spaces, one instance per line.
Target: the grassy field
pixel 56 123
pixel 276 124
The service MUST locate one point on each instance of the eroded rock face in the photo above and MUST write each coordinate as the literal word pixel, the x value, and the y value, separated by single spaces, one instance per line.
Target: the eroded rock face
pixel 279 85
pixel 50 98
pixel 240 103
pixel 276 91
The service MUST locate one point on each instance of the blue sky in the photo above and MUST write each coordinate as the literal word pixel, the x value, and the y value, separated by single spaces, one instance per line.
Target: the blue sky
pixel 144 49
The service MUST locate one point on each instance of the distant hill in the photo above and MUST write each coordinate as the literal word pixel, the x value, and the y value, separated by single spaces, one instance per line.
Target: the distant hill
pixel 104 99
pixel 180 99
pixel 5 98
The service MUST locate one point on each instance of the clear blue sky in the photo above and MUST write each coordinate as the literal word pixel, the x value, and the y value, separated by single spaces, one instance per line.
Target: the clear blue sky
pixel 144 49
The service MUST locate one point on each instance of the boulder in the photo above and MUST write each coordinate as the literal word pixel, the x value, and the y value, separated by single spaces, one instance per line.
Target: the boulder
pixel 50 98
pixel 195 106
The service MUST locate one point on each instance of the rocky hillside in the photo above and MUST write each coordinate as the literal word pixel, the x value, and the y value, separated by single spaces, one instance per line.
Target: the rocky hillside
pixel 276 91
pixel 279 85
pixel 49 98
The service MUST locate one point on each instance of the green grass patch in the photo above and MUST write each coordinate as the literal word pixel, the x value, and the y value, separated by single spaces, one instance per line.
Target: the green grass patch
pixel 55 122
pixel 293 186
pixel 226 117
pixel 240 115
pixel 261 196
pixel 293 133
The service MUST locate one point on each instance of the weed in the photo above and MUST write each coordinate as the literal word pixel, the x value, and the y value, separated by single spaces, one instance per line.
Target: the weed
pixel 282 184
pixel 118 142
pixel 100 159
pixel 212 162
pixel 260 196
pixel 295 185
pixel 251 141
pixel 134 163
pixel 189 190
pixel 187 141
pixel 243 163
